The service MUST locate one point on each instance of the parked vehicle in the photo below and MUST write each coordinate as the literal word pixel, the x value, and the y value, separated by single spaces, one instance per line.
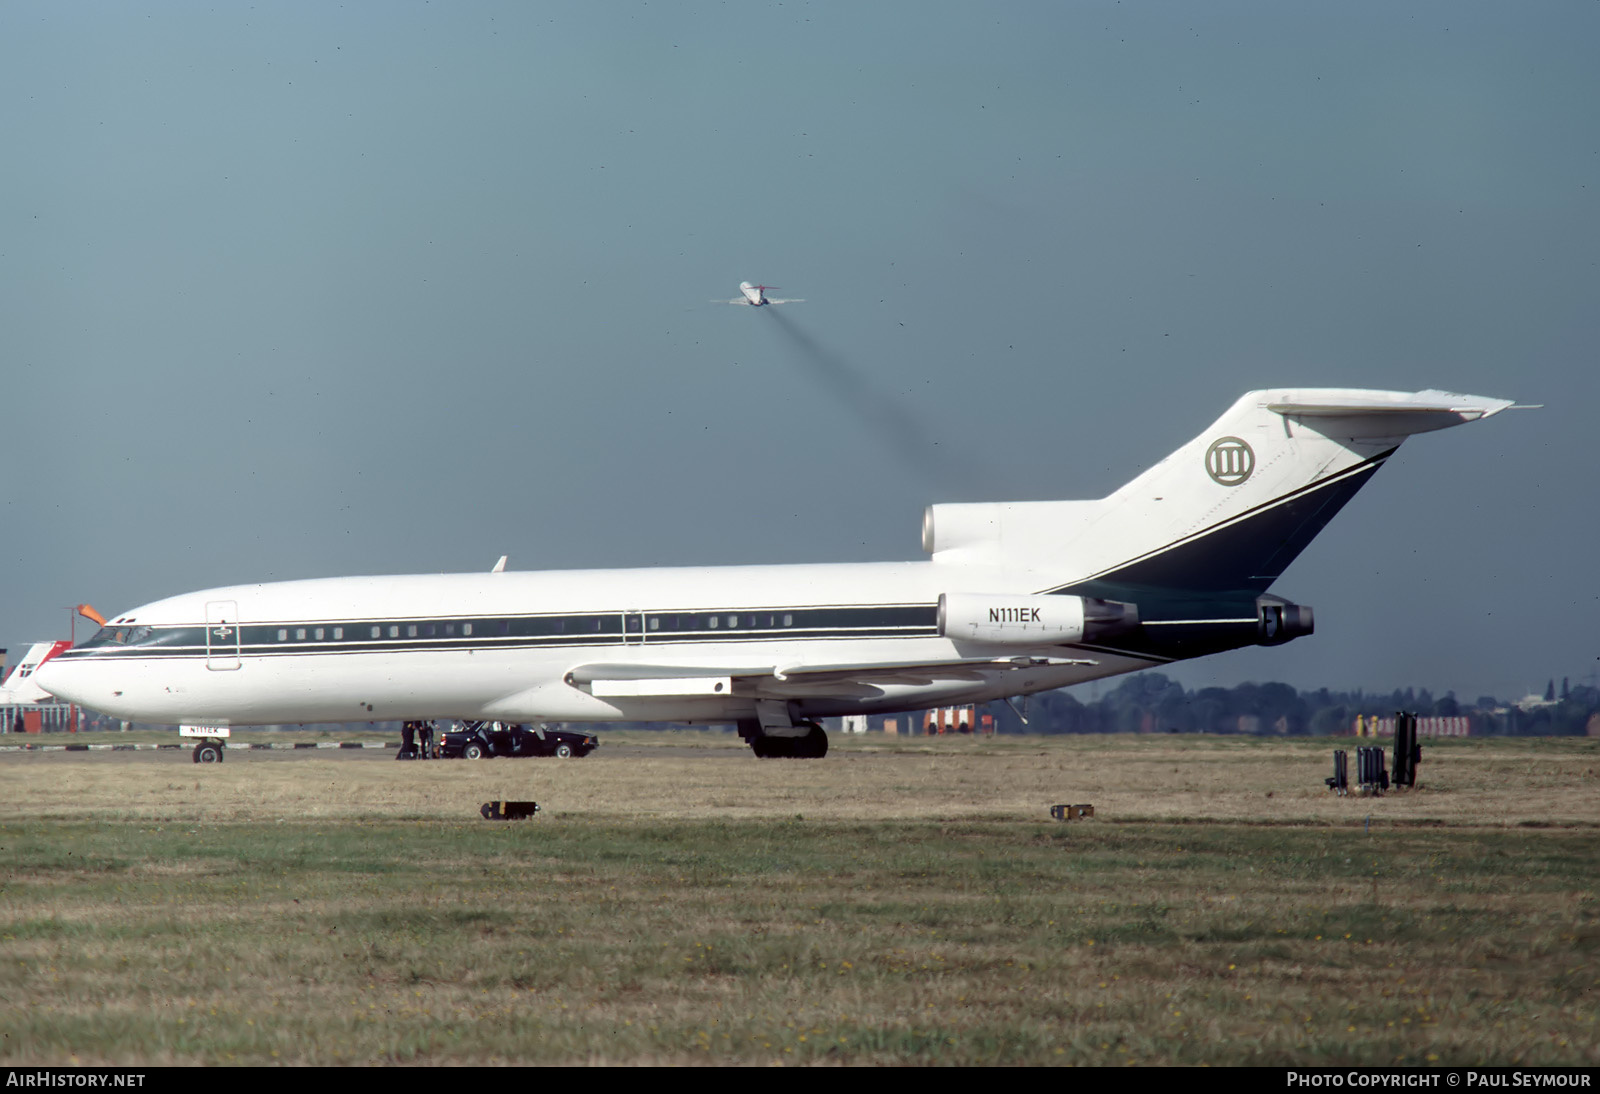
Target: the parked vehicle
pixel 481 740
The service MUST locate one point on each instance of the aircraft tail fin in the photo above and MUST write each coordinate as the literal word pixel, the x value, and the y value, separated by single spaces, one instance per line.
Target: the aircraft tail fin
pixel 19 687
pixel 1222 517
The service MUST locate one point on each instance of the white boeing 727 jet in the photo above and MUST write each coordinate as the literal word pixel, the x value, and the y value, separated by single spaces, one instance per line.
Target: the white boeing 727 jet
pixel 1015 598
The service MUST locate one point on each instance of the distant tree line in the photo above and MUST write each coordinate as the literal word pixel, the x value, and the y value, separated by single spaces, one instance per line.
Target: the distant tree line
pixel 1149 702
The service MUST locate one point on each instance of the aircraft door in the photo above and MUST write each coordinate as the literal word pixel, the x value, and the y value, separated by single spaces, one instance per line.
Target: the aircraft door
pixel 222 635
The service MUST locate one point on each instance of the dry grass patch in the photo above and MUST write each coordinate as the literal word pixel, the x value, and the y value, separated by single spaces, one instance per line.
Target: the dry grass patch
pixel 1487 781
pixel 672 906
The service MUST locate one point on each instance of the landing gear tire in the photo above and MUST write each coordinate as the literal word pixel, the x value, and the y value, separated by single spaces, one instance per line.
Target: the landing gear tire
pixel 207 752
pixel 774 748
pixel 812 746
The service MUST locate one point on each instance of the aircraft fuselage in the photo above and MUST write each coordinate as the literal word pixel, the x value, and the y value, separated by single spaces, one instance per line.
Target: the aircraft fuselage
pixel 505 646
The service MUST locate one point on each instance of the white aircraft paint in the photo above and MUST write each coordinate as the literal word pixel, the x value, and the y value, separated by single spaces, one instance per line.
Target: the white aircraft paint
pixel 1015 598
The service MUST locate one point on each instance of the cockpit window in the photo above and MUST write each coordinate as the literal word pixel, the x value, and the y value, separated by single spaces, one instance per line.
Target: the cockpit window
pixel 121 634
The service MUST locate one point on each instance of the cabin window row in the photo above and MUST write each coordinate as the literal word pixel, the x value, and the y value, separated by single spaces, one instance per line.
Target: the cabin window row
pixel 592 624
pixel 604 625
pixel 719 621
pixel 390 630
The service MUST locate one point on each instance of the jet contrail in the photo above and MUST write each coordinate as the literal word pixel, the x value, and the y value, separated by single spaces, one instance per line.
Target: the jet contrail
pixel 915 443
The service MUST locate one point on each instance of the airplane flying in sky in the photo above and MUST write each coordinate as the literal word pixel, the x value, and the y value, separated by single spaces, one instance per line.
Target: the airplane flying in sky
pixel 755 296
pixel 1015 598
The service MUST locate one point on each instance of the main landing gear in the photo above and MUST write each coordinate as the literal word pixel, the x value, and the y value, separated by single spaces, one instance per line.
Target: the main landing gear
pixel 774 734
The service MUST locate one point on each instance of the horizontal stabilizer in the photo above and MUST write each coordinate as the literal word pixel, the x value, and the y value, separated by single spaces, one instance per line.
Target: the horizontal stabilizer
pixel 1444 408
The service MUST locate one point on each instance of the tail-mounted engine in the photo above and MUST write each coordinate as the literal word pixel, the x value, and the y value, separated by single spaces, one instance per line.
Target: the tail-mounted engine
pixel 1033 620
pixel 1279 621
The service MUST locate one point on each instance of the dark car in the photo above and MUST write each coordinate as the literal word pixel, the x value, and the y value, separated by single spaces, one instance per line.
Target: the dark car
pixel 480 740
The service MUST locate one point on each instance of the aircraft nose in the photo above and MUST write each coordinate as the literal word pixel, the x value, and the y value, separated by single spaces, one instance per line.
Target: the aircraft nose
pixel 57 679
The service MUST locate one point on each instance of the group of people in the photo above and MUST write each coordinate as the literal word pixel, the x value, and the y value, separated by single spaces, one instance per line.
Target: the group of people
pixel 416 741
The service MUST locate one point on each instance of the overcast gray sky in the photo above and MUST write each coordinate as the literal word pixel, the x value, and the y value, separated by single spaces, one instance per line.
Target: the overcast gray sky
pixel 299 289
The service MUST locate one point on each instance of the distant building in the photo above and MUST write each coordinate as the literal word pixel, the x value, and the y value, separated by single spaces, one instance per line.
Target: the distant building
pixel 1371 725
pixel 37 718
pixel 942 720
pixel 853 723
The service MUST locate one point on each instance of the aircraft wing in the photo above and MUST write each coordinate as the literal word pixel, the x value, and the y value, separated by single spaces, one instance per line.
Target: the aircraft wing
pixel 741 300
pixel 845 680
pixel 789 300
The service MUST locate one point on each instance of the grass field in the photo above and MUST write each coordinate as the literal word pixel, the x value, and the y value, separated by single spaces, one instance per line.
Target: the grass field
pixel 902 901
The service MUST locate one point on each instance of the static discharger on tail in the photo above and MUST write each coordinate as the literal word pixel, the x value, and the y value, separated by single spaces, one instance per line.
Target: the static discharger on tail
pixel 1015 598
pixel 755 296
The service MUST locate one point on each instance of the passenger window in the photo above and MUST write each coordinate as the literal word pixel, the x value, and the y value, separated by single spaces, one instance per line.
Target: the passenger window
pixel 733 621
pixel 411 631
pixel 283 635
pixel 338 632
pixel 713 622
pixel 450 628
pixel 466 628
pixel 655 622
pixel 788 621
pixel 300 634
pixel 317 634
pixel 377 632
pixel 394 630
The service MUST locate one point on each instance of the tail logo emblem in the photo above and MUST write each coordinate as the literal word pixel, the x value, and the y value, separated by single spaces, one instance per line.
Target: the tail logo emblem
pixel 1229 461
